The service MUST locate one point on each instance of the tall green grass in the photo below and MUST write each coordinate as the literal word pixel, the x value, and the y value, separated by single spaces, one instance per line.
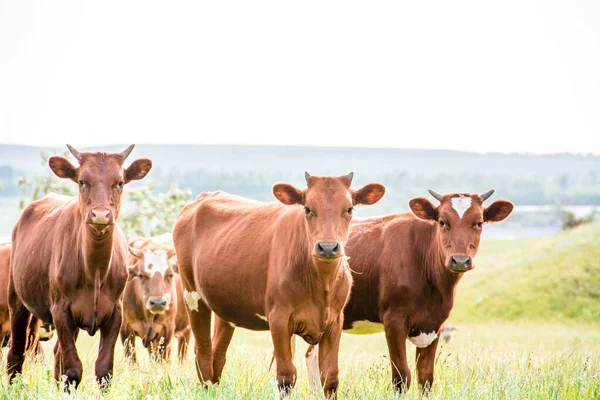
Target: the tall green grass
pixel 544 295
pixel 482 361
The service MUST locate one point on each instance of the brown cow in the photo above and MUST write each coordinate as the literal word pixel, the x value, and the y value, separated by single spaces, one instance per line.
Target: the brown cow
pixel 44 332
pixel 153 303
pixel 69 262
pixel 270 266
pixel 405 271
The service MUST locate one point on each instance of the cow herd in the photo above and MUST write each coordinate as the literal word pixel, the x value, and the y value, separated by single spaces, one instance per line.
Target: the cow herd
pixel 300 266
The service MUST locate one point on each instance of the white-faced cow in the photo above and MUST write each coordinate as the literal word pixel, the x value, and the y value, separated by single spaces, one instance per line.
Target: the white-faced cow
pixel 153 303
pixel 405 269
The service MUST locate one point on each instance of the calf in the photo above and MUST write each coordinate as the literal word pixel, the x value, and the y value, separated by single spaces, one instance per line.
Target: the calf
pixel 406 268
pixel 270 266
pixel 153 304
pixel 69 263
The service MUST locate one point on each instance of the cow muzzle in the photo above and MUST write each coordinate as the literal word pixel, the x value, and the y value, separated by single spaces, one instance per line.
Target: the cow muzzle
pixel 100 216
pixel 157 305
pixel 461 263
pixel 328 250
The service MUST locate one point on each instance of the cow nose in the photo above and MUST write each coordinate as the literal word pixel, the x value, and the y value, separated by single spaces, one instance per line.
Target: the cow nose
pixel 459 263
pixel 328 249
pixel 100 216
pixel 158 303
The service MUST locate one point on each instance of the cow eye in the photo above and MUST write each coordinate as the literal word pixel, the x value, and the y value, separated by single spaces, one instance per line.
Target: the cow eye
pixel 121 183
pixel 140 276
pixel 307 210
pixel 350 210
pixel 442 223
pixel 81 183
pixel 480 224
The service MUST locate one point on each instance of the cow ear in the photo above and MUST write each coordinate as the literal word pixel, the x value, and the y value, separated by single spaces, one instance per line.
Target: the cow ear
pixel 423 208
pixel 62 167
pixel 288 194
pixel 498 211
pixel 368 194
pixel 138 170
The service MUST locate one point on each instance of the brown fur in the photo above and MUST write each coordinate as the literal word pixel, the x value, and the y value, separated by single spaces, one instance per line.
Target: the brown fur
pixel 403 276
pixel 251 262
pixel 156 330
pixel 68 265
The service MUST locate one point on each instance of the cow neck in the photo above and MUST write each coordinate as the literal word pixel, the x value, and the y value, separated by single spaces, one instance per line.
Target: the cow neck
pixel 97 252
pixel 326 275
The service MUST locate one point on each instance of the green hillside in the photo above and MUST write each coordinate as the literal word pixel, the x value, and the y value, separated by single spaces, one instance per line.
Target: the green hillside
pixel 543 280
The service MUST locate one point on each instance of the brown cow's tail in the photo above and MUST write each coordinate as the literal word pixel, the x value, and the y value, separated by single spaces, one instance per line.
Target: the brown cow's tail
pixel 293 344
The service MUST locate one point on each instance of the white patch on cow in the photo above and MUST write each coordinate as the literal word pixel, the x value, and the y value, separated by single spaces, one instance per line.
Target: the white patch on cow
pixel 424 339
pixel 314 374
pixel 262 317
pixel 461 204
pixel 231 324
pixel 365 328
pixel 191 299
pixel 155 261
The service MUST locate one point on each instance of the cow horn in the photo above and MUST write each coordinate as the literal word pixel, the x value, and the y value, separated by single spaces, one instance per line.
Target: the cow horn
pixel 306 175
pixel 436 195
pixel 75 152
pixel 125 153
pixel 486 195
pixel 350 176
pixel 139 253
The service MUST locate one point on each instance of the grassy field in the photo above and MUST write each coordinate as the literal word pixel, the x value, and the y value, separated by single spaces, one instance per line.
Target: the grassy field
pixel 528 327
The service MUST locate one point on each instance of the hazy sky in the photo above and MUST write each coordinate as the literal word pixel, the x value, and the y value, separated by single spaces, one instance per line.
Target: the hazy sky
pixel 479 76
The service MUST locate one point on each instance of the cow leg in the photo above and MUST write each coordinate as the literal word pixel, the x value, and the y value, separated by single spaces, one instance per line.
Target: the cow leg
pixel 221 339
pixel 184 340
pixel 19 321
pixel 395 334
pixel 69 367
pixel 200 324
pixel 282 338
pixel 329 347
pixel 128 341
pixel 109 333
pixel 425 363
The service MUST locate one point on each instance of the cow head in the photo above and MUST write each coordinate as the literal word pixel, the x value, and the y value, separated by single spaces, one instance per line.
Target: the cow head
pixel 460 218
pixel 154 269
pixel 101 178
pixel 328 204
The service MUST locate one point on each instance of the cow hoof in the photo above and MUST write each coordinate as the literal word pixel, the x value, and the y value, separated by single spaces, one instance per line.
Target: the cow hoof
pixel 73 377
pixel 285 386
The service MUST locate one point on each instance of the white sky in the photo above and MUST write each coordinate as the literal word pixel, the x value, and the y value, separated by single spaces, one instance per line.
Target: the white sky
pixel 477 76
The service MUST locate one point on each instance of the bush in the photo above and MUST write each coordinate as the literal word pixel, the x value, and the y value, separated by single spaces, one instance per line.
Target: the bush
pixel 570 221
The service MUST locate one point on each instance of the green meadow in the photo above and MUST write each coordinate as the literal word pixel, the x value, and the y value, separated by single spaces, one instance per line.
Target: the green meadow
pixel 528 327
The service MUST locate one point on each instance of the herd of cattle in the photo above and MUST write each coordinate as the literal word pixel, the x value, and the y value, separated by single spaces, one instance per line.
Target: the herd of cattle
pixel 299 266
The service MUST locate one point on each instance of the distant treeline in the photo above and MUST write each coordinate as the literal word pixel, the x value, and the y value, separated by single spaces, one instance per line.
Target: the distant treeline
pixel 570 189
